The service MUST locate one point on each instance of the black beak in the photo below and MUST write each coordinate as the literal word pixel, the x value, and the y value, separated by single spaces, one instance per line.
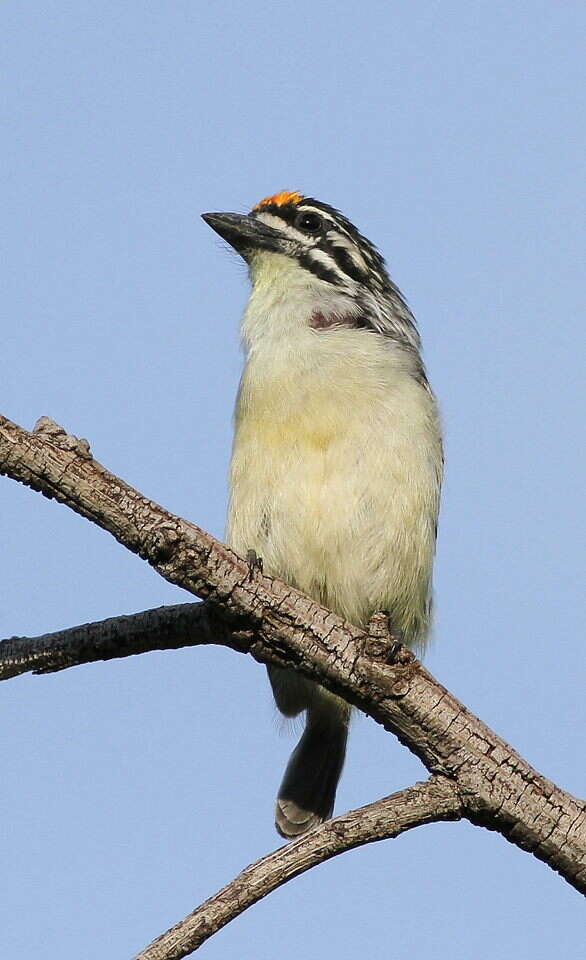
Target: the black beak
pixel 244 232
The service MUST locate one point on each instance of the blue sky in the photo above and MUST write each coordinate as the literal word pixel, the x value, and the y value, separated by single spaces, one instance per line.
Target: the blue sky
pixel 452 134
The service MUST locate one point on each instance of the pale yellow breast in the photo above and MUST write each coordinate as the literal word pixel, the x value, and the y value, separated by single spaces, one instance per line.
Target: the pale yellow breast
pixel 334 476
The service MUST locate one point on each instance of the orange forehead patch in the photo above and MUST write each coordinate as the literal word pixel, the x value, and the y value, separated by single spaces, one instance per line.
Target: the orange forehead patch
pixel 280 199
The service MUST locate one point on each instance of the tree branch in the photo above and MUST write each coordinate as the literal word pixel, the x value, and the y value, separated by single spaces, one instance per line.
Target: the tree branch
pixel 436 799
pixel 272 621
pixel 162 628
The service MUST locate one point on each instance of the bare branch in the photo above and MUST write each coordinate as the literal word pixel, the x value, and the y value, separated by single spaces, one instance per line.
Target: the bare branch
pixel 272 621
pixel 162 628
pixel 436 799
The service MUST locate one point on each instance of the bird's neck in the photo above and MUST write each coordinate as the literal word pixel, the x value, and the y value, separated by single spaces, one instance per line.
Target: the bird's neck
pixel 286 301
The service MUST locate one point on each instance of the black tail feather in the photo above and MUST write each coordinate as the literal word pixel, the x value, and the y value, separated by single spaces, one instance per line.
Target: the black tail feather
pixel 308 790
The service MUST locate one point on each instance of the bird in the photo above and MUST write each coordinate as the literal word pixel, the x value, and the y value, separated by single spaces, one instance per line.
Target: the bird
pixel 337 460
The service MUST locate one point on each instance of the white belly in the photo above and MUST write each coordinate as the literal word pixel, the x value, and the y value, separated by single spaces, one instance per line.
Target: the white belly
pixel 335 477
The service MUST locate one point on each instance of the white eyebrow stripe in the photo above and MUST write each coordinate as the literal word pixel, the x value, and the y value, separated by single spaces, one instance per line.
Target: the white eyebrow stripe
pixel 308 207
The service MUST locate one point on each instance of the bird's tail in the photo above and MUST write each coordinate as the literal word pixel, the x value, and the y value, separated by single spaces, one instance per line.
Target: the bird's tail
pixel 308 790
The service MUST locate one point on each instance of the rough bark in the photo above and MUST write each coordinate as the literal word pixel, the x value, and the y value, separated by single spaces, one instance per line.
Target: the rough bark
pixel 270 620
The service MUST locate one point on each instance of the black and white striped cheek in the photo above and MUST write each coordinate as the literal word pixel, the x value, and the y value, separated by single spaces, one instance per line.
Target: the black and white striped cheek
pixel 336 260
pixel 348 258
pixel 332 256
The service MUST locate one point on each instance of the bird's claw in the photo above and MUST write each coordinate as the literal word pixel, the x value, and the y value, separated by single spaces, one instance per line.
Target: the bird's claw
pixel 254 563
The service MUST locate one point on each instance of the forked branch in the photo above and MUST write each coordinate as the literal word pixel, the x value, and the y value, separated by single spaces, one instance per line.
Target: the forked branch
pixel 262 616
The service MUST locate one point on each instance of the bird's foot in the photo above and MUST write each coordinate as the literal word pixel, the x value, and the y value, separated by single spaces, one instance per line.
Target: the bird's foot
pixel 381 644
pixel 254 562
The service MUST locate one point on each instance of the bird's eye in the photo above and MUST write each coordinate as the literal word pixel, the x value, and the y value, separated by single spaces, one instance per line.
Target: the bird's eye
pixel 308 222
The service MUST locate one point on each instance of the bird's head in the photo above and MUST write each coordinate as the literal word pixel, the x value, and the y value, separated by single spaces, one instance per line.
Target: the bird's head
pixel 306 250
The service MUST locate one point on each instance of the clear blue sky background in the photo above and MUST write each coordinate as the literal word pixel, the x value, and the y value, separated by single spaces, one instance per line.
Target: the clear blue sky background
pixel 452 134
